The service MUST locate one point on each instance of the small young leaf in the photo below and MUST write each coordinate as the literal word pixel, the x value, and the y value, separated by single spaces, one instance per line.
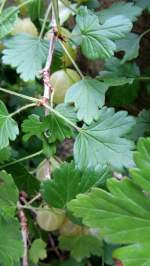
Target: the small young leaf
pixel 103 142
pixel 88 95
pixel 32 127
pixel 54 128
pixel 7 21
pixel 8 127
pixel 82 246
pixel 27 54
pixel 37 251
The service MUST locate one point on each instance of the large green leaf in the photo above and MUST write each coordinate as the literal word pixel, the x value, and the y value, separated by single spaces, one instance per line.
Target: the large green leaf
pixel 11 246
pixel 8 127
pixel 88 95
pixel 127 9
pixel 68 181
pixel 103 142
pixel 141 174
pixel 123 214
pixel 115 73
pixel 82 246
pixel 95 39
pixel 7 21
pixel 27 54
pixel 8 194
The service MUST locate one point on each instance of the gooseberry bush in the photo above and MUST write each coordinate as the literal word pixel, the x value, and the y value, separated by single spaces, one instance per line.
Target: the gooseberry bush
pixel 74 133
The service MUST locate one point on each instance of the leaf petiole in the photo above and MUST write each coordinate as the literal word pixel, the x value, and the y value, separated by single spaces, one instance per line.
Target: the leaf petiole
pixel 22 109
pixel 32 99
pixel 22 159
pixel 62 117
pixel 71 59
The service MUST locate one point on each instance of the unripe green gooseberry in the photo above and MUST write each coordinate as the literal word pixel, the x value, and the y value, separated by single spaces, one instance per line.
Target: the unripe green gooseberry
pixel 50 219
pixel 24 25
pixel 61 81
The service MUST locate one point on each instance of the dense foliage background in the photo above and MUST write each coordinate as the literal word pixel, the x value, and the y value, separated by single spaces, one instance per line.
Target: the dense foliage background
pixel 74 133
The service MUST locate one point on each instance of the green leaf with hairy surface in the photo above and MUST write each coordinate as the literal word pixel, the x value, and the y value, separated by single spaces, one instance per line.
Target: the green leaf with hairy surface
pixel 95 39
pixel 8 194
pixel 116 74
pixel 104 142
pixel 8 127
pixel 23 179
pixel 82 246
pixel 11 246
pixel 27 54
pixel 68 181
pixel 129 10
pixel 141 174
pixel 88 95
pixel 142 126
pixel 37 251
pixel 5 154
pixel 68 111
pixel 123 214
pixel 130 45
pixel 137 254
pixel 7 21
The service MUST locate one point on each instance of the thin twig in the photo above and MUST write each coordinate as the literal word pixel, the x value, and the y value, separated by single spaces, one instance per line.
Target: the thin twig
pixel 37 197
pixel 55 248
pixel 48 90
pixel 22 109
pixel 24 231
pixel 45 20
